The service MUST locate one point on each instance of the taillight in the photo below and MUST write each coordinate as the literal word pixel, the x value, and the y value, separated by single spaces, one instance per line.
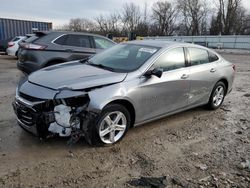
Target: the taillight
pixel 234 67
pixel 10 44
pixel 32 46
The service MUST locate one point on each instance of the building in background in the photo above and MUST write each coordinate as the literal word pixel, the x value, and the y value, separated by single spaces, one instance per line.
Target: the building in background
pixel 9 28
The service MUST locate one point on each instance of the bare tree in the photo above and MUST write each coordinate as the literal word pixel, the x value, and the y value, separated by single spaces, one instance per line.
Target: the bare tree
pixel 81 24
pixel 228 14
pixel 75 24
pixel 231 18
pixel 131 16
pixel 64 27
pixel 102 23
pixel 194 14
pixel 240 22
pixel 246 27
pixel 109 24
pixel 185 17
pixel 215 26
pixel 144 24
pixel 145 13
pixel 164 15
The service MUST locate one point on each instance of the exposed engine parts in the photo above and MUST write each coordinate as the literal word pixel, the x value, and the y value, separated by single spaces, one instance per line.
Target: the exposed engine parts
pixel 62 117
pixel 67 117
pixel 64 121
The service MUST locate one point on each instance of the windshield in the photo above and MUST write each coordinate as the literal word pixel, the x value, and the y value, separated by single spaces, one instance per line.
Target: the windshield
pixel 123 57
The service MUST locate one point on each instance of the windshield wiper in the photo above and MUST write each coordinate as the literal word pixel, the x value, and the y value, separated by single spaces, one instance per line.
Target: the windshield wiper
pixel 84 60
pixel 100 66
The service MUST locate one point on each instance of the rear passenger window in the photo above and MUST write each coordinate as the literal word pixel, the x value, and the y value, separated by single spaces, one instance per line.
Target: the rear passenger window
pixel 198 56
pixel 171 60
pixel 212 57
pixel 74 40
pixel 61 40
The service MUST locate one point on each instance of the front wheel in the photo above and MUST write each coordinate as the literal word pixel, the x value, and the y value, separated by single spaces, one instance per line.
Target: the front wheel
pixel 112 126
pixel 217 96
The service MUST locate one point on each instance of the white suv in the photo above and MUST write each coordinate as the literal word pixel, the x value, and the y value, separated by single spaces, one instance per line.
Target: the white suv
pixel 13 45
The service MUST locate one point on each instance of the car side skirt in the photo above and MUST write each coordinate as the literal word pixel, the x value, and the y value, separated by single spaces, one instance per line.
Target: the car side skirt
pixel 169 114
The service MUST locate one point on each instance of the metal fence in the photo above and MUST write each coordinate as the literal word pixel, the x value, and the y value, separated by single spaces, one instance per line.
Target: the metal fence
pixel 226 42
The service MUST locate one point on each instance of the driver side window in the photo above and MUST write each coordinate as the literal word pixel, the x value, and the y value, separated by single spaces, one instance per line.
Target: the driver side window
pixel 171 60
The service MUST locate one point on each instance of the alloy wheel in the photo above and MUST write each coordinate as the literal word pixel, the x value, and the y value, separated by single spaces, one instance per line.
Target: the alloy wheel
pixel 112 127
pixel 218 96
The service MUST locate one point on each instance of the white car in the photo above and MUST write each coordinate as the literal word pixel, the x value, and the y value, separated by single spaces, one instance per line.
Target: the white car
pixel 13 45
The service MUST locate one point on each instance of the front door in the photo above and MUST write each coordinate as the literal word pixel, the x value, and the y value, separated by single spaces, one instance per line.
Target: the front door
pixel 160 96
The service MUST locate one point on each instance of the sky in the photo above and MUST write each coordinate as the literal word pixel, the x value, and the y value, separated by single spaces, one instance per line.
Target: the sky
pixel 59 12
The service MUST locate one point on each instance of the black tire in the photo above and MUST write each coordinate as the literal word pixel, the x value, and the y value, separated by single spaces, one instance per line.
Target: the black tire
pixel 211 104
pixel 95 137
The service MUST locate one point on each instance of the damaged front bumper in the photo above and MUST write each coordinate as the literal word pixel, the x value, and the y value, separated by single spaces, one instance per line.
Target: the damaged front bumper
pixel 30 118
pixel 46 118
pixel 24 118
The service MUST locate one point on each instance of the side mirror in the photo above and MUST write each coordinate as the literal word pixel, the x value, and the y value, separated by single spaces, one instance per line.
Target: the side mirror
pixel 156 72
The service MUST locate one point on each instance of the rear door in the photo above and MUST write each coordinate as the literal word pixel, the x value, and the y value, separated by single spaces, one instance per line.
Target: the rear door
pixel 203 74
pixel 76 46
pixel 170 92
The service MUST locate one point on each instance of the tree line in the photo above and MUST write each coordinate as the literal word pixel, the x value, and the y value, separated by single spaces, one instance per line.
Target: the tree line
pixel 167 18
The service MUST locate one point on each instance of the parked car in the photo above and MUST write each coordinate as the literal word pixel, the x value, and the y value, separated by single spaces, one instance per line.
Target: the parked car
pixel 127 85
pixel 13 45
pixel 27 36
pixel 50 48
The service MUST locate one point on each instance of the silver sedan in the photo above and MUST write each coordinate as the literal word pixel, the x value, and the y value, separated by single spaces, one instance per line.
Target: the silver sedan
pixel 127 85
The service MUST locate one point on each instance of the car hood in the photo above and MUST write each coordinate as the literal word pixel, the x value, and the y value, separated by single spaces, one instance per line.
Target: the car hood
pixel 74 76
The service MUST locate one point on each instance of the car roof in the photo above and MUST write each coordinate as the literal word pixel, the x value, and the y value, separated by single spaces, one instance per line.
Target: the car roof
pixel 55 34
pixel 162 43
pixel 67 32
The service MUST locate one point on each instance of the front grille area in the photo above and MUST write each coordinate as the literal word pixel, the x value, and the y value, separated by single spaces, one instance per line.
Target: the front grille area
pixel 25 114
pixel 29 98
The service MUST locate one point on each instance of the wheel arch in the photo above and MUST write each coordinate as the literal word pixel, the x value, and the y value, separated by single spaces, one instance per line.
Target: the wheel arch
pixel 128 105
pixel 225 81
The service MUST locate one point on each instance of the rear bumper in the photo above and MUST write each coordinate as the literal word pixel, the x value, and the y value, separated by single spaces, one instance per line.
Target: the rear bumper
pixel 31 60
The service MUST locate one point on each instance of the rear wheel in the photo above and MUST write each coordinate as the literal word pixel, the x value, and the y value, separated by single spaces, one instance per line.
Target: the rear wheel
pixel 217 96
pixel 112 126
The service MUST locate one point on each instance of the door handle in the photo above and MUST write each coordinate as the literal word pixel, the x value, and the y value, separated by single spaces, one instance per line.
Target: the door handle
pixel 212 70
pixel 184 76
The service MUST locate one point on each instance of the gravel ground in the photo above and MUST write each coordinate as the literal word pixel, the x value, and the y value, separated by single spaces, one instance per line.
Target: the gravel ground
pixel 196 148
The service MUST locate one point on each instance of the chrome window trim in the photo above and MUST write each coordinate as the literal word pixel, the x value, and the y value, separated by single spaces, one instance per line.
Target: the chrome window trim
pixel 53 41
